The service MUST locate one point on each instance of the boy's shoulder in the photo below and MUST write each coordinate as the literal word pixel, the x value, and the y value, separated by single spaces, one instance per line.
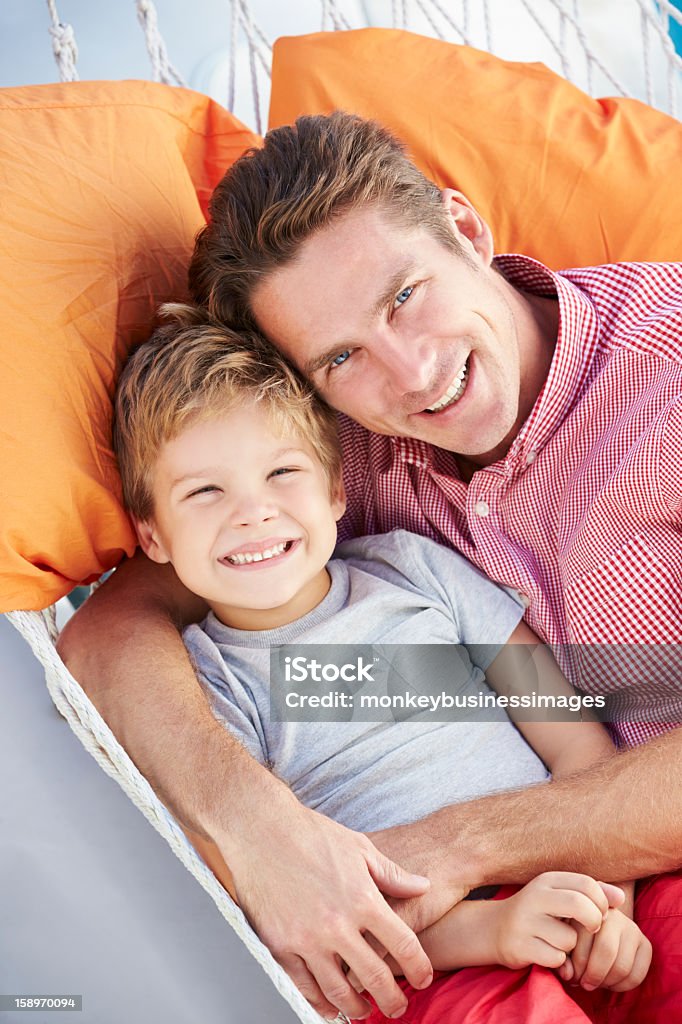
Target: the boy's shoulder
pixel 394 546
pixel 405 555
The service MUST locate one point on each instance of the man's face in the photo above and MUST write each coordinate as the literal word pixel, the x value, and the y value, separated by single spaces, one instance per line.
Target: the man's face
pixel 404 335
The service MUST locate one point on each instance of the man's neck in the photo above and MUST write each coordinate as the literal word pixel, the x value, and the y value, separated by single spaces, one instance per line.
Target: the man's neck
pixel 537 326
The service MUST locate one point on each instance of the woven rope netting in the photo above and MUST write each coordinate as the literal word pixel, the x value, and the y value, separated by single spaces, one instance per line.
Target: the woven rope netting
pixel 568 40
pixel 606 47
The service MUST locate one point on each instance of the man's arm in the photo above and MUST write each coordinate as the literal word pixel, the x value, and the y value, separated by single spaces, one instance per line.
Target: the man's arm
pixel 310 887
pixel 619 819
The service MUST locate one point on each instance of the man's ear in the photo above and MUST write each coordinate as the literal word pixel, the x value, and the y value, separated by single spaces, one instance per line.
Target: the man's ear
pixel 150 542
pixel 338 499
pixel 468 223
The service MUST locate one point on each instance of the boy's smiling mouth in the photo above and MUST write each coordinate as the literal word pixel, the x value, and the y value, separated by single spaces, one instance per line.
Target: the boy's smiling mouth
pixel 257 554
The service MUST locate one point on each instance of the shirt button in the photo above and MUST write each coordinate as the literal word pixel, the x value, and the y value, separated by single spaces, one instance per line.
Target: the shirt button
pixel 524 599
pixel 481 508
pixel 531 457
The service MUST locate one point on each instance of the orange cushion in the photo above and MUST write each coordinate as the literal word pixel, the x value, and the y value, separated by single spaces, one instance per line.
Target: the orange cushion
pixel 103 186
pixel 560 176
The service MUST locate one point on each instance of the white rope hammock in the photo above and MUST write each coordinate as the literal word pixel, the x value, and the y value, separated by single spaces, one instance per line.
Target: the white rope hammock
pixel 580 55
pixel 464 22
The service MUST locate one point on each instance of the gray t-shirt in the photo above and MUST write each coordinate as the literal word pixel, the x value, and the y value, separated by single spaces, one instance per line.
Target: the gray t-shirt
pixel 395 588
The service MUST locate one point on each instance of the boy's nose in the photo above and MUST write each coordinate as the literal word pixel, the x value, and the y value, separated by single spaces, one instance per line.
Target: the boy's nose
pixel 252 511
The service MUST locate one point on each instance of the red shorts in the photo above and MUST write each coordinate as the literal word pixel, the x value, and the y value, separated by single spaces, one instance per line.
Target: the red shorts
pixel 535 995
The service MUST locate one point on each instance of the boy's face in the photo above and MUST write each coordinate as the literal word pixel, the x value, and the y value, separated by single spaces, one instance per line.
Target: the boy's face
pixel 245 517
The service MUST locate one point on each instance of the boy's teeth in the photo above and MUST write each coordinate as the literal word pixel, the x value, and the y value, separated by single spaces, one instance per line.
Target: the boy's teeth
pixel 257 556
pixel 454 392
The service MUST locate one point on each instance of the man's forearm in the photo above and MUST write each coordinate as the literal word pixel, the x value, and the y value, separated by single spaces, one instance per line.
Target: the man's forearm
pixel 125 650
pixel 619 819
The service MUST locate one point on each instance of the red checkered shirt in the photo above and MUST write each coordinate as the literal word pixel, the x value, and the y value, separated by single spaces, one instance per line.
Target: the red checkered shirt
pixel 583 517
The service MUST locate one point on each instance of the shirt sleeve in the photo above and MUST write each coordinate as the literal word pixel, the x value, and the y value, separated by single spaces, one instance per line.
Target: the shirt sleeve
pixel 226 695
pixel 485 613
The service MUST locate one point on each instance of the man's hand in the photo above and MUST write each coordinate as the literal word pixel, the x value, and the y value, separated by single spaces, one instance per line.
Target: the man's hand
pixel 417 850
pixel 539 924
pixel 312 889
pixel 617 957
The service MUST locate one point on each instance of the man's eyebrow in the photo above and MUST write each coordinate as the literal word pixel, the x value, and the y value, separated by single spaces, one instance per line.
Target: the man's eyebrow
pixel 388 294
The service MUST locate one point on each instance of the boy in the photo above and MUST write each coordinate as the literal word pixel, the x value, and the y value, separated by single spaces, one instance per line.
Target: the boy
pixel 231 471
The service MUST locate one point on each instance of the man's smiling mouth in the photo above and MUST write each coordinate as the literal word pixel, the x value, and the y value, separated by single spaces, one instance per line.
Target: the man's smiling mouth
pixel 454 392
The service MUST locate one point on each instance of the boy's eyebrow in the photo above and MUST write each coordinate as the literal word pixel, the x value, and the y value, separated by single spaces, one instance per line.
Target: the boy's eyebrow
pixel 208 471
pixel 195 474
pixel 389 292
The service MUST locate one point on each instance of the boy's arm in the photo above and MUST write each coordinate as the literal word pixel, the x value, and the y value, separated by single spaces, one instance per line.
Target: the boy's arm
pixel 311 888
pixel 617 818
pixel 529 927
pixel 565 747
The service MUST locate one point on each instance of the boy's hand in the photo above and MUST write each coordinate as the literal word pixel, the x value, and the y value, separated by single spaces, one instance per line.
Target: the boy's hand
pixel 532 925
pixel 617 957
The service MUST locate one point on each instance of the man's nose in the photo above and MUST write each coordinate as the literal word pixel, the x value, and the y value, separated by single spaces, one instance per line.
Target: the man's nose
pixel 408 363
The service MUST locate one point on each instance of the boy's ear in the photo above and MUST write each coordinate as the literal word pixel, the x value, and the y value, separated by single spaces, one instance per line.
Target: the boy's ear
pixel 149 540
pixel 338 499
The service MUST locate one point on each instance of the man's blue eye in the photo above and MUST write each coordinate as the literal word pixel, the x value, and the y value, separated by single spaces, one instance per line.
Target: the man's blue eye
pixel 403 296
pixel 341 358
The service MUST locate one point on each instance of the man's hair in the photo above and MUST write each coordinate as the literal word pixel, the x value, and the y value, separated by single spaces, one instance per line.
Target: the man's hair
pixel 194 369
pixel 304 177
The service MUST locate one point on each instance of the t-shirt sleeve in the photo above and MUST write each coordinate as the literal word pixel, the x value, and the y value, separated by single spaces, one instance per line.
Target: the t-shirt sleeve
pixel 229 699
pixel 485 614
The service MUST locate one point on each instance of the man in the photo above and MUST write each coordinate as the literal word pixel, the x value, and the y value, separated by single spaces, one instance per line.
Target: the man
pixel 531 420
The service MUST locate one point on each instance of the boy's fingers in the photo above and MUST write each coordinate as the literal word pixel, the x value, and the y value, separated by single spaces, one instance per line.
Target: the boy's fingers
pixel 613 893
pixel 574 906
pixel 566 969
pixel 639 970
pixel 608 951
pixel 557 933
pixel 581 954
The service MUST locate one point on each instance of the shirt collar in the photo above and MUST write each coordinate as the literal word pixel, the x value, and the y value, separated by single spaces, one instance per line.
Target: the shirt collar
pixel 576 346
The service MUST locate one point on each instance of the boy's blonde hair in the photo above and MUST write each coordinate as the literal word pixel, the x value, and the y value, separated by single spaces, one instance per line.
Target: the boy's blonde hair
pixel 193 368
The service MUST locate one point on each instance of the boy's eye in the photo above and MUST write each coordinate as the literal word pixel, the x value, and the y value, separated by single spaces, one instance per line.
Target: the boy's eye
pixel 206 489
pixel 283 470
pixel 340 359
pixel 404 295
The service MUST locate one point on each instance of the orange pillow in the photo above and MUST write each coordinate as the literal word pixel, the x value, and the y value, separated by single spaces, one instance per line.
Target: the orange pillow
pixel 103 186
pixel 559 176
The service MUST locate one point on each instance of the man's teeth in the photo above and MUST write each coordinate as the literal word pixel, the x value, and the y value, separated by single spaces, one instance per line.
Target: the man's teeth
pixel 454 392
pixel 257 556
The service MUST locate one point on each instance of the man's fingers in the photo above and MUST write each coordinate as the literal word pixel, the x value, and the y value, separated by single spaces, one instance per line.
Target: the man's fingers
pixel 378 949
pixel 393 880
pixel 307 986
pixel 403 945
pixel 338 993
